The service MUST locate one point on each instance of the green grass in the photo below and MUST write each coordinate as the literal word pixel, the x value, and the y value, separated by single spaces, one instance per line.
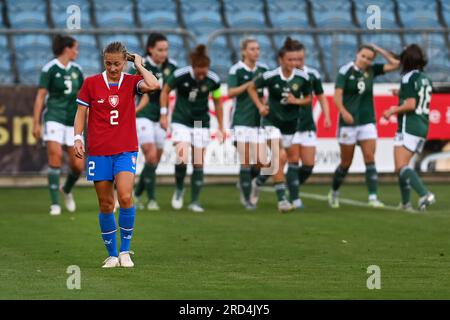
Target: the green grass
pixel 227 252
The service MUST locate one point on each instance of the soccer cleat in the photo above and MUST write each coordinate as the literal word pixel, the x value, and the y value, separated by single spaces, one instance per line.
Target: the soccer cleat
pixel 333 199
pixel 375 203
pixel 406 207
pixel 125 259
pixel 152 205
pixel 249 206
pixel 177 199
pixel 111 262
pixel 196 207
pixel 298 204
pixel 426 200
pixel 138 202
pixel 284 206
pixel 254 195
pixel 55 210
pixel 68 200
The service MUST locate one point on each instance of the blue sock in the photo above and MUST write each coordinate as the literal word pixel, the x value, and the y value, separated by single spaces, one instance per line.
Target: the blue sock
pixel 126 223
pixel 109 228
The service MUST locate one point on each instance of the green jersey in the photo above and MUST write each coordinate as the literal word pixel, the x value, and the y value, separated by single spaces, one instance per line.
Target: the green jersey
pixel 192 103
pixel 62 84
pixel 305 117
pixel 357 88
pixel 245 112
pixel 417 85
pixel 282 115
pixel 161 72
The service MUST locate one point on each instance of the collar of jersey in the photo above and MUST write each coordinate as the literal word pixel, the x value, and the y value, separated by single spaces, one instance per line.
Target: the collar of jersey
pixel 59 64
pixel 283 78
pixel 355 67
pixel 105 78
pixel 247 68
pixel 152 63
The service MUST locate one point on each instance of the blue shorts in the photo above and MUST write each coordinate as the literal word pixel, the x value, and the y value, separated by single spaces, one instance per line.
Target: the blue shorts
pixel 101 168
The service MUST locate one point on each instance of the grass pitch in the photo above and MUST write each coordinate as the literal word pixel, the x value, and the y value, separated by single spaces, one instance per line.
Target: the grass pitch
pixel 227 252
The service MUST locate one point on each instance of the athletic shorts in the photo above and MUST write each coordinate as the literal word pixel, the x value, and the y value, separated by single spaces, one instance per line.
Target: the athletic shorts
pixel 351 135
pixel 412 143
pixel 244 134
pixel 197 137
pixel 305 138
pixel 55 131
pixel 101 168
pixel 272 133
pixel 150 132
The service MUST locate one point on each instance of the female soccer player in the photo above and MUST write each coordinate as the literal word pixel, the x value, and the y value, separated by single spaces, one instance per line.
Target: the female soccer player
pixel 306 137
pixel 289 89
pixel 246 122
pixel 59 83
pixel 112 143
pixel 357 125
pixel 412 114
pixel 190 121
pixel 151 136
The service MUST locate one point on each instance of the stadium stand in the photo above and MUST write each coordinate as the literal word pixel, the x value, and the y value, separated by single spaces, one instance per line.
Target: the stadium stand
pixel 58 13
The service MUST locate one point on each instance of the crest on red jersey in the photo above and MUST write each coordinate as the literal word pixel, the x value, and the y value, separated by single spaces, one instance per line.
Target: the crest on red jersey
pixel 113 100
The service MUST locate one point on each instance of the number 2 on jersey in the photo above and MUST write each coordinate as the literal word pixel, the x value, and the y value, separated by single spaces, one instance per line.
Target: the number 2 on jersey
pixel 114 115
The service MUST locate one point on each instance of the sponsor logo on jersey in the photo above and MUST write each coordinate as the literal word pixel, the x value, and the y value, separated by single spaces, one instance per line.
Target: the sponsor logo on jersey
pixel 113 100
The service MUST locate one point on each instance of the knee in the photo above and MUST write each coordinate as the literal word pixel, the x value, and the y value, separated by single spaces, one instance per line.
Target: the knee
pixel 106 204
pixel 125 200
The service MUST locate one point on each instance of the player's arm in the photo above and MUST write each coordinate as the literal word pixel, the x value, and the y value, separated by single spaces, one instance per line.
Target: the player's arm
pixel 338 101
pixel 37 110
pixel 408 105
pixel 150 82
pixel 325 109
pixel 253 93
pixel 164 102
pixel 235 91
pixel 216 95
pixel 143 102
pixel 305 101
pixel 393 63
pixel 78 128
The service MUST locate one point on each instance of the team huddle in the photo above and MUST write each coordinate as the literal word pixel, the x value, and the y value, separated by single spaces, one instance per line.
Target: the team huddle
pixel 275 136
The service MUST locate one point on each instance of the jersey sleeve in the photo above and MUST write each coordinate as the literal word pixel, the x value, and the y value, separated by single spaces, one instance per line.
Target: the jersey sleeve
pixel 317 86
pixel 137 80
pixel 172 81
pixel 216 85
pixel 84 97
pixel 261 81
pixel 44 80
pixel 378 69
pixel 408 89
pixel 306 89
pixel 232 79
pixel 340 81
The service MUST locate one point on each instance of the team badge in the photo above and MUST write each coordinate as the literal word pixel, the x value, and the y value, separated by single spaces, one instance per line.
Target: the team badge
pixel 74 75
pixel 113 100
pixel 295 87
pixel 166 71
pixel 204 88
pixel 366 75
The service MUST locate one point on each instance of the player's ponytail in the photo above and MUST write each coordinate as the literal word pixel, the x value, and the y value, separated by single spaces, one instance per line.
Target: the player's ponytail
pixel 115 47
pixel 199 57
pixel 412 58
pixel 289 45
pixel 60 43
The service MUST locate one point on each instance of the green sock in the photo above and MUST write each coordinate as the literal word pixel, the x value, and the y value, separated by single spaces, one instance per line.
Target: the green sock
pixel 303 173
pixel 151 181
pixel 53 184
pixel 70 182
pixel 254 171
pixel 292 181
pixel 180 173
pixel 245 181
pixel 261 179
pixel 280 190
pixel 338 178
pixel 414 180
pixel 140 187
pixel 405 189
pixel 371 179
pixel 196 183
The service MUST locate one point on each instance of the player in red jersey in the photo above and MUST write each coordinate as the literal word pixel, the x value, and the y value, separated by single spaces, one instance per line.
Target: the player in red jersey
pixel 112 142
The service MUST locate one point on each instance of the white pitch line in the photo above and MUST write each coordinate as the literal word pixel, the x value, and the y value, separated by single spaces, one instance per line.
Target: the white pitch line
pixel 351 202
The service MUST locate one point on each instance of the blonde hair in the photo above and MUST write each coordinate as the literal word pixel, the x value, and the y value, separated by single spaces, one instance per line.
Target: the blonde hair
pixel 244 43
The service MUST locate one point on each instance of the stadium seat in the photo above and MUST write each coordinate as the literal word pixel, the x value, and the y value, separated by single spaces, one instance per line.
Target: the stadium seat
pixel 446 12
pixel 158 19
pixel 203 23
pixel 288 13
pixel 417 14
pixel 6 74
pixel 278 6
pixel 246 19
pixel 234 6
pixel 27 14
pixel 220 56
pixel 58 9
pixel 387 9
pixel 147 6
pixel 332 14
pixel 189 6
pixel 116 14
pixel 89 56
pixel 129 40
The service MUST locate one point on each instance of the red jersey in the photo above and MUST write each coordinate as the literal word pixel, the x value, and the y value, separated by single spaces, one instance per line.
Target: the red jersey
pixel 112 114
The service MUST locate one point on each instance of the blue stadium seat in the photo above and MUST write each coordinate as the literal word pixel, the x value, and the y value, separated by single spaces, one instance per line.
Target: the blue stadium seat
pixel 158 19
pixel 59 13
pixel 220 56
pixel 289 19
pixel 176 50
pixel 202 23
pixel 416 14
pixel 446 12
pixel 278 6
pixel 246 19
pixel 27 14
pixel 6 75
pixel 387 9
pixel 337 50
pixel 233 6
pixel 189 6
pixel 146 6
pixel 332 14
pixel 89 56
pixel 129 40
pixel 115 14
